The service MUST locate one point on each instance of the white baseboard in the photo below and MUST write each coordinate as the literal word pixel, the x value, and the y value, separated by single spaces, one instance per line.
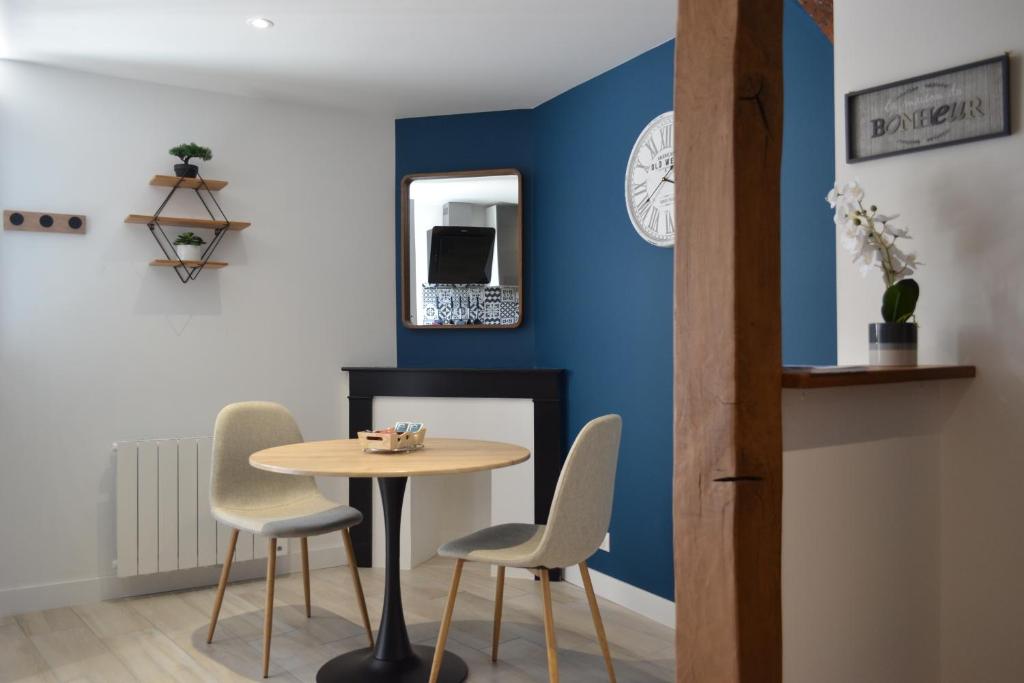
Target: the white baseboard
pixel 646 604
pixel 67 593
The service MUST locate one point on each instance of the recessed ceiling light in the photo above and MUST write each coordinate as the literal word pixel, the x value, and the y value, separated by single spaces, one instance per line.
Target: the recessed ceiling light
pixel 260 22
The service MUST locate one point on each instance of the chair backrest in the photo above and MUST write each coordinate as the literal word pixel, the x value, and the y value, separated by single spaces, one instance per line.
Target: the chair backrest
pixel 241 430
pixel 582 506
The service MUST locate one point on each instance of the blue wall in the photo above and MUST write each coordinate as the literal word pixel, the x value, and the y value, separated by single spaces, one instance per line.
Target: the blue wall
pixel 434 144
pixel 808 169
pixel 599 298
pixel 606 313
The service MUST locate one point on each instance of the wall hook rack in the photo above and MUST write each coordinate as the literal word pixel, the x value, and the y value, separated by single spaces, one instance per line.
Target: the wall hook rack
pixel 187 270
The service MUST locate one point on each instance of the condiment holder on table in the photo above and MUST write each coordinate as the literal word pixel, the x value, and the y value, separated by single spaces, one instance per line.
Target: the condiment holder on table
pixel 401 438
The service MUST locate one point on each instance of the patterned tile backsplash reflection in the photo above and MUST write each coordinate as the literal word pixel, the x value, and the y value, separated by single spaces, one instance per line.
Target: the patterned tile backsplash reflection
pixel 470 305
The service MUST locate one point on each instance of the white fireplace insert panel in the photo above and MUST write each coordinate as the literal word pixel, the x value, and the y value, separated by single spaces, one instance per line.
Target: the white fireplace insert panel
pixel 440 508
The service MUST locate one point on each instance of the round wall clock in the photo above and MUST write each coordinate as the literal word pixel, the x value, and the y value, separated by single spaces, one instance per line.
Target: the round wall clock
pixel 650 182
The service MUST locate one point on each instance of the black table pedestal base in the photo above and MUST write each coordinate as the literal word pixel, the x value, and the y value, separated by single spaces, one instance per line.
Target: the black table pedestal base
pixel 393 659
pixel 360 666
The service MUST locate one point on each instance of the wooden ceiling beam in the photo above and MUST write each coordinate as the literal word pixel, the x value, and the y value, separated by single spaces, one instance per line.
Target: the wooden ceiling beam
pixel 821 12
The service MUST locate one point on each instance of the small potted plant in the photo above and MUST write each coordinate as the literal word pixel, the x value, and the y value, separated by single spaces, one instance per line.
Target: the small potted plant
pixel 872 239
pixel 189 246
pixel 186 152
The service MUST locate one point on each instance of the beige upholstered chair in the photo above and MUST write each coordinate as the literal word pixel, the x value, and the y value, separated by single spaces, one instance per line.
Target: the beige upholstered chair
pixel 270 505
pixel 578 521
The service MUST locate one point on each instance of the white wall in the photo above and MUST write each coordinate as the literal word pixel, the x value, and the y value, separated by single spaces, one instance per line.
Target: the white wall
pixel 965 207
pixel 860 532
pixel 96 346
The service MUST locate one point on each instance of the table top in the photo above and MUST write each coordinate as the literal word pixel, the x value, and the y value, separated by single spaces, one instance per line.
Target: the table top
pixel 345 458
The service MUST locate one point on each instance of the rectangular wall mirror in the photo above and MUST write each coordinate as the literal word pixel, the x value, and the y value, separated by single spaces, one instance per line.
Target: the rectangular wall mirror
pixel 462 249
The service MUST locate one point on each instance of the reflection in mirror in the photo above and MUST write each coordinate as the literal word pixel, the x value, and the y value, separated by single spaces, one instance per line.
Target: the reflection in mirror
pixel 462 242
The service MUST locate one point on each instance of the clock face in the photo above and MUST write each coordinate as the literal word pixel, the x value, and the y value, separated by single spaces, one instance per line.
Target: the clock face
pixel 650 182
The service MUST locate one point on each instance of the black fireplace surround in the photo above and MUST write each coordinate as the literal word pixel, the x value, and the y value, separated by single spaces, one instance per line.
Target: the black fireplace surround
pixel 545 387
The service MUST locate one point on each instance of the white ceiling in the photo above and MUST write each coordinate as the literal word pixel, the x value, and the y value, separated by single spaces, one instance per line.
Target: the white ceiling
pixel 402 57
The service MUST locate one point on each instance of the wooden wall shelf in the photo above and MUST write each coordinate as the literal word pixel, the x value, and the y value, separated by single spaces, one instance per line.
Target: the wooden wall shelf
pixel 822 377
pixel 167 263
pixel 178 222
pixel 188 183
pixel 156 222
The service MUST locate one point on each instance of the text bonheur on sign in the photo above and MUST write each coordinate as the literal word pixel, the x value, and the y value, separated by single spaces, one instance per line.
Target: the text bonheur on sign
pixel 927 117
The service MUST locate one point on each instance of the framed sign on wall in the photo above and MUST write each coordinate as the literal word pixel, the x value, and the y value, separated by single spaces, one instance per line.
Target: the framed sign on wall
pixel 962 104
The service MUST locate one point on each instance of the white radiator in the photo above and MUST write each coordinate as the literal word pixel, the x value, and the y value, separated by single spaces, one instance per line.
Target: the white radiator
pixel 163 508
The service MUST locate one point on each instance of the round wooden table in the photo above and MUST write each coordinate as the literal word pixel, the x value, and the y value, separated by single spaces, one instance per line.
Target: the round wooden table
pixel 392 658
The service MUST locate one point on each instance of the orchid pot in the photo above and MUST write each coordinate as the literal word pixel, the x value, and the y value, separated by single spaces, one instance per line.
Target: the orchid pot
pixel 892 344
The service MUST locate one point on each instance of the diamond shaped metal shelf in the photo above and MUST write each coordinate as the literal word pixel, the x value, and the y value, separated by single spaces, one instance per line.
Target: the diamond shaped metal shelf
pixel 185 269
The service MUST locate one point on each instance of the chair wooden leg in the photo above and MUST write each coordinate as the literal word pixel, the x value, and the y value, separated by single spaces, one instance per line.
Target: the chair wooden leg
pixel 305 574
pixel 549 626
pixel 598 624
pixel 446 621
pixel 360 598
pixel 222 585
pixel 268 611
pixel 499 593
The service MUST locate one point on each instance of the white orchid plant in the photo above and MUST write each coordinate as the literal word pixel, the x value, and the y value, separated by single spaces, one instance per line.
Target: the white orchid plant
pixel 872 239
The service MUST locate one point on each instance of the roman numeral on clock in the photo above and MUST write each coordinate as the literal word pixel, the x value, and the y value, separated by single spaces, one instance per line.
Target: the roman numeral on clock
pixel 652 219
pixel 649 215
pixel 643 212
pixel 666 137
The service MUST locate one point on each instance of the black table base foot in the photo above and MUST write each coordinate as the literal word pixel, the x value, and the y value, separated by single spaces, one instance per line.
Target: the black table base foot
pixel 360 666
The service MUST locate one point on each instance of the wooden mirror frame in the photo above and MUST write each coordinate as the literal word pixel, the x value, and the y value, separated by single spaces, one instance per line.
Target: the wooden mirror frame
pixel 406 274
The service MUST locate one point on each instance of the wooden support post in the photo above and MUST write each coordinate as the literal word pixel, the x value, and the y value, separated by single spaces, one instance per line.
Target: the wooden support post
pixel 728 435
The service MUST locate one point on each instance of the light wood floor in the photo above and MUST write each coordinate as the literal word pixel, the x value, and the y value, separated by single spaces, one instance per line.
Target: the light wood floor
pixel 163 637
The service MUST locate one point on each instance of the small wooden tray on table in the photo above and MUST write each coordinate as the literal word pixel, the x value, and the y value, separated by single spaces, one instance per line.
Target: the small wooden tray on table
pixel 392 442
